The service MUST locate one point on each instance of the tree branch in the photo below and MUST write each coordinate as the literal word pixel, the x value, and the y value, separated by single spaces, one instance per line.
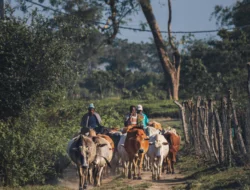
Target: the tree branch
pixel 169 25
pixel 115 24
pixel 176 54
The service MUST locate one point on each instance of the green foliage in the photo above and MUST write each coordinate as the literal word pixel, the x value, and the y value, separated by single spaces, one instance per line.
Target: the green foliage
pixel 33 58
pixel 31 145
pixel 203 175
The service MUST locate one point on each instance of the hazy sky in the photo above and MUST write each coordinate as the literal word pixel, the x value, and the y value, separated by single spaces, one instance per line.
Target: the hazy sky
pixel 187 15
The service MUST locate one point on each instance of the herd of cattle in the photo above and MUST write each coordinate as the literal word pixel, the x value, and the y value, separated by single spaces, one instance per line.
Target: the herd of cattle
pixel 94 153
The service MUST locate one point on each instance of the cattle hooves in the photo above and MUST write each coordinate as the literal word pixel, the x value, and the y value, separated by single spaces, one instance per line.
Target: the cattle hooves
pixel 85 187
pixel 173 172
pixel 134 178
pixel 139 178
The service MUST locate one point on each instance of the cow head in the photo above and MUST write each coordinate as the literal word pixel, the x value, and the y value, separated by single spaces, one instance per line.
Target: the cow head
pixel 158 144
pixel 142 141
pixel 82 150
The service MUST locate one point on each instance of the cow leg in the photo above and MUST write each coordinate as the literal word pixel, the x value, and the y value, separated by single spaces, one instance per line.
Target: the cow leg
pixel 126 165
pixel 172 166
pixel 148 164
pixel 99 174
pixel 152 168
pixel 159 167
pixel 168 166
pixel 90 177
pixel 95 174
pixel 163 165
pixel 80 172
pixel 135 167
pixel 85 179
pixel 140 165
pixel 130 169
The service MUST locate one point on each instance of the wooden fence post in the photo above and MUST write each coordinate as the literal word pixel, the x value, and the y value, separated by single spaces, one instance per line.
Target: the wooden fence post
pixel 247 127
pixel 214 141
pixel 221 139
pixel 197 129
pixel 184 123
pixel 238 130
pixel 229 121
pixel 205 126
pixel 226 143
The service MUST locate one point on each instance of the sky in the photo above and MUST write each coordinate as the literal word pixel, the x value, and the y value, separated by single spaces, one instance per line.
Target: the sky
pixel 187 15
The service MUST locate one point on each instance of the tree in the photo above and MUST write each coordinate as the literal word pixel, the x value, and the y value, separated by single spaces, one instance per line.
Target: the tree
pixel 170 67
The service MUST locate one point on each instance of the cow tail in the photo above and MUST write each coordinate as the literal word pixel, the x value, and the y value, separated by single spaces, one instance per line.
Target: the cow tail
pixel 107 162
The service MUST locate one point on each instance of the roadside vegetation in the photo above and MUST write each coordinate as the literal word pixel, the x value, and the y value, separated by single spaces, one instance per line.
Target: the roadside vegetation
pixel 205 175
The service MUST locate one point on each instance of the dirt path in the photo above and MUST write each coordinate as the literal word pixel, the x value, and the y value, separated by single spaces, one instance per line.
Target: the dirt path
pixel 168 181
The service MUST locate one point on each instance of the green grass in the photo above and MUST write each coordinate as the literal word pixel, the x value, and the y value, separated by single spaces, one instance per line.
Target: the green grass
pixel 201 175
pixel 154 108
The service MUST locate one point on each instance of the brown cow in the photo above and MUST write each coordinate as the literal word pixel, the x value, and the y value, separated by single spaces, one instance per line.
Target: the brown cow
pixel 136 145
pixel 127 128
pixel 174 145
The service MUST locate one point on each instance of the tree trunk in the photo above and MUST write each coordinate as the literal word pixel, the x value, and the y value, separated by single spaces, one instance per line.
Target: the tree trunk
pixel 170 68
pixel 184 123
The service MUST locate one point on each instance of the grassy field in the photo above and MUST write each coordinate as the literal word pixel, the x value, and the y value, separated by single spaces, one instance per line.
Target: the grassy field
pixel 201 175
pixel 156 108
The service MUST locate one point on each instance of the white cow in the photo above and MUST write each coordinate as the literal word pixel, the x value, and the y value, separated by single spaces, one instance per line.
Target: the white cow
pixel 104 154
pixel 146 162
pixel 157 152
pixel 152 131
pixel 123 154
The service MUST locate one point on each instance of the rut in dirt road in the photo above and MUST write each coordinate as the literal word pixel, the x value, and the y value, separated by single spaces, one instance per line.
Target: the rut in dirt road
pixel 70 180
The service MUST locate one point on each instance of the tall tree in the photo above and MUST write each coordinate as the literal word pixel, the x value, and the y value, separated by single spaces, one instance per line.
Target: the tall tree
pixel 170 67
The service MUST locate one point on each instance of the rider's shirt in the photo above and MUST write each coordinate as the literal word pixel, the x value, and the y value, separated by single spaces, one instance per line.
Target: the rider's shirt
pixel 92 122
pixel 134 119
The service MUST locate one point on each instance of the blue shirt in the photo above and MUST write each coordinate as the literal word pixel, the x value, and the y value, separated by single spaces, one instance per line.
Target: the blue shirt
pixel 145 120
pixel 92 122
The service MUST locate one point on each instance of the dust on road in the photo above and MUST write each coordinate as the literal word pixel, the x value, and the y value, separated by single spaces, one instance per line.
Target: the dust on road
pixel 168 181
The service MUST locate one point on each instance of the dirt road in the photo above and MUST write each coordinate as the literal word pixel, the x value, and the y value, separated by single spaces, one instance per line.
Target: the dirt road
pixel 168 181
